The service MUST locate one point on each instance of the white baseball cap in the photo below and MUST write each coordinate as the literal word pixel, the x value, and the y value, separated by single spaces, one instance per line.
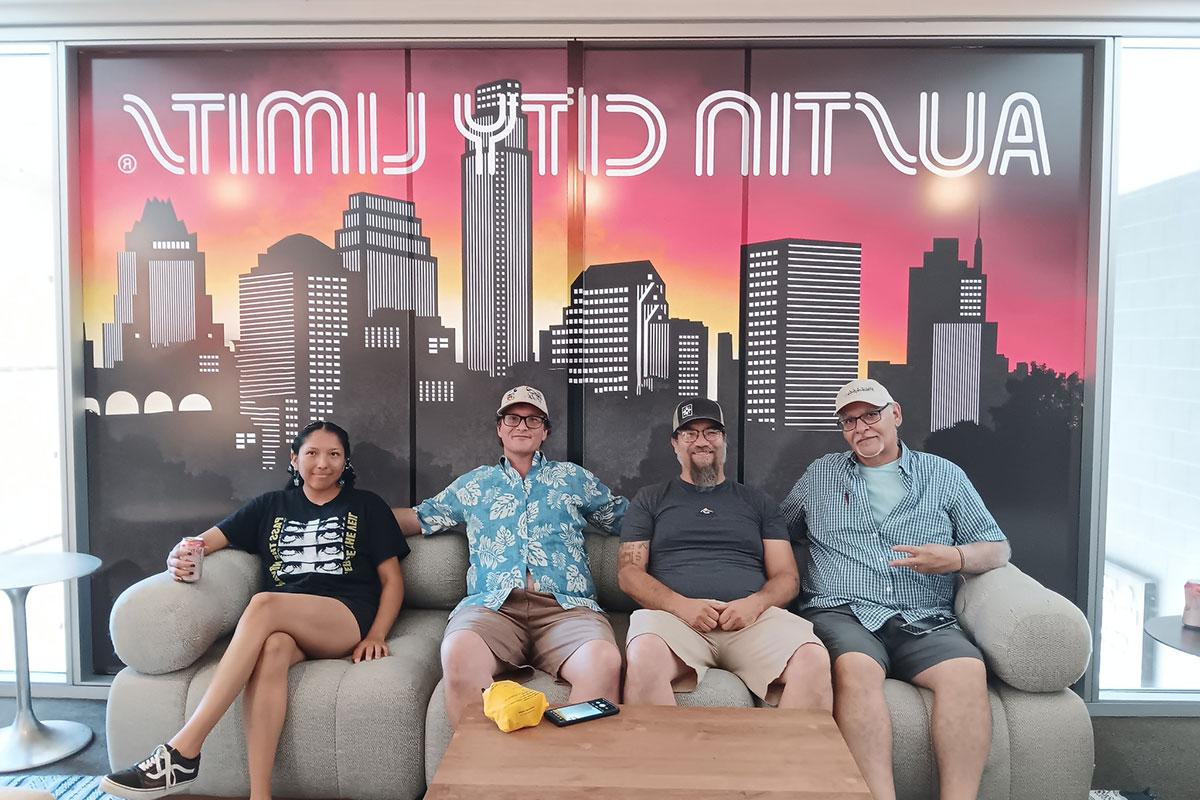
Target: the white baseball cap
pixel 864 390
pixel 523 394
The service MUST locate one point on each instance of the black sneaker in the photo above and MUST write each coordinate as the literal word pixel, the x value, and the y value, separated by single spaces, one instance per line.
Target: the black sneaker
pixel 163 772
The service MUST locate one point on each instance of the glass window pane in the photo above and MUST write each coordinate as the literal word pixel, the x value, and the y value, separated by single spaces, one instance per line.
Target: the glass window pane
pixel 29 376
pixel 1153 503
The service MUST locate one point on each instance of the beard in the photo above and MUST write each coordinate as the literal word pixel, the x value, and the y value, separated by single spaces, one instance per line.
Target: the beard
pixel 706 474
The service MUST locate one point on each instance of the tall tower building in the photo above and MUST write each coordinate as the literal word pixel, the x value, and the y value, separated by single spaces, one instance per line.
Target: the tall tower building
pixel 381 238
pixel 953 372
pixel 497 237
pixel 802 301
pixel 616 334
pixel 689 357
pixel 295 310
pixel 161 298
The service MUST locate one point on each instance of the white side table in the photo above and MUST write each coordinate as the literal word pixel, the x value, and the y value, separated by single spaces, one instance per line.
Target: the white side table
pixel 28 742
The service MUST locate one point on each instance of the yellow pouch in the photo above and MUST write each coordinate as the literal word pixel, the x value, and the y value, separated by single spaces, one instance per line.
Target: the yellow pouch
pixel 511 706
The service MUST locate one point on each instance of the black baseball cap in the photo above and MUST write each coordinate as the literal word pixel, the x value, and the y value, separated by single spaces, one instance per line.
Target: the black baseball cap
pixel 697 408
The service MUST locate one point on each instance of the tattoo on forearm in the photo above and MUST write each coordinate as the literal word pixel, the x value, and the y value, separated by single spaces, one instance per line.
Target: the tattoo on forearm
pixel 633 554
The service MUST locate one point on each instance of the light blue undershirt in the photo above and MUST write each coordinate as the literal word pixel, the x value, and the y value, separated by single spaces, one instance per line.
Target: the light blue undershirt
pixel 885 488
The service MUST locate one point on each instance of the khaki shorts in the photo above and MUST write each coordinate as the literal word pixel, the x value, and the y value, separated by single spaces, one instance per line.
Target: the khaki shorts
pixel 532 629
pixel 757 654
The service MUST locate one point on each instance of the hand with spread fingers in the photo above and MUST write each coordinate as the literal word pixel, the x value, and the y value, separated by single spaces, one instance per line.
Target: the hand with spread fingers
pixel 369 650
pixel 929 559
pixel 741 613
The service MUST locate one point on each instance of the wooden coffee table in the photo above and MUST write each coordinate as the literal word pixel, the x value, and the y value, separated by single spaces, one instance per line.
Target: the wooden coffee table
pixel 664 753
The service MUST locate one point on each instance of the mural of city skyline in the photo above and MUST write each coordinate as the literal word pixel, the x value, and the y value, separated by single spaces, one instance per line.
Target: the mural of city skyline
pixel 374 311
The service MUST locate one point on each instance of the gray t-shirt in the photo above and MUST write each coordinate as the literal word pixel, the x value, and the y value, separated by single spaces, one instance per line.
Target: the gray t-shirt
pixel 705 543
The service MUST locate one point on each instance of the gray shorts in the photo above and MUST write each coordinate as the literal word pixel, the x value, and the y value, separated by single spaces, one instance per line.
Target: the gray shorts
pixel 900 654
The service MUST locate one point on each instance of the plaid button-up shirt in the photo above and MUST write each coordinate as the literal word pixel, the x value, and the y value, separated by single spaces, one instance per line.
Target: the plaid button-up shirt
pixel 848 553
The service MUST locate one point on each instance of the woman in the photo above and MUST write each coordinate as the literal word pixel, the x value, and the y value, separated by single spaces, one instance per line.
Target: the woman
pixel 331 560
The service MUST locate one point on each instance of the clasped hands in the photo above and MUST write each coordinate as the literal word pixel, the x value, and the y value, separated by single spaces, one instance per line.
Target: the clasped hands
pixel 708 615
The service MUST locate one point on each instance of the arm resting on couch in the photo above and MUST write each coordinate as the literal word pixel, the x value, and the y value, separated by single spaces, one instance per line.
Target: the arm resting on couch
pixel 160 625
pixel 1033 639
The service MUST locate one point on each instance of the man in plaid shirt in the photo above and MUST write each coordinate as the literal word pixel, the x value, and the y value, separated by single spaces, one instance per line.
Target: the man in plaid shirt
pixel 888 531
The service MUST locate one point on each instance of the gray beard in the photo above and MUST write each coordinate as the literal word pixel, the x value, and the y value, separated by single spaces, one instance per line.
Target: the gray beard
pixel 705 477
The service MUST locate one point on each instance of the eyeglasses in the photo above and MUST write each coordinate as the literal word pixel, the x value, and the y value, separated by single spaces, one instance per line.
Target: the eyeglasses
pixel 870 418
pixel 532 422
pixel 711 434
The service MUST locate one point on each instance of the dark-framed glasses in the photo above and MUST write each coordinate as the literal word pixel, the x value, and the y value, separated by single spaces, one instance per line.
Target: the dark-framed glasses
pixel 687 436
pixel 869 417
pixel 532 422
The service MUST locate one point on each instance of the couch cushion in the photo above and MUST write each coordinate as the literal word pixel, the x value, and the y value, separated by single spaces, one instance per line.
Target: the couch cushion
pixel 435 572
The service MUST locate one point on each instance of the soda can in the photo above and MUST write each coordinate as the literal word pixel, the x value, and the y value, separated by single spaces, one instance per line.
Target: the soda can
pixel 191 549
pixel 1191 603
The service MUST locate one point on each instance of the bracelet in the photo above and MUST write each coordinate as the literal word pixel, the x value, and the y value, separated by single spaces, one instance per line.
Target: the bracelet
pixel 962 559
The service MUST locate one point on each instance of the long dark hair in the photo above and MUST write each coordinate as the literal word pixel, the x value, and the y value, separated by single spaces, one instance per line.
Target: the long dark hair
pixel 348 475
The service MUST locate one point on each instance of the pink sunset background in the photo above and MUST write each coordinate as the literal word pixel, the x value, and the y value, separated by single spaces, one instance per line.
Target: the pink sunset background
pixel 1034 228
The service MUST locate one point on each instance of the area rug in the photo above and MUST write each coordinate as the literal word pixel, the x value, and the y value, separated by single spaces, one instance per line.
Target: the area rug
pixel 63 787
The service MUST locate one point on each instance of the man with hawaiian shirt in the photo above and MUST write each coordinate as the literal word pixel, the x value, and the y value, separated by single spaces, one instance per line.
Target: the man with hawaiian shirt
pixel 530 597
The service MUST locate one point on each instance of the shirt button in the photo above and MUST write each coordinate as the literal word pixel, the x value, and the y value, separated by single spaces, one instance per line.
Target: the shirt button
pixel 889 590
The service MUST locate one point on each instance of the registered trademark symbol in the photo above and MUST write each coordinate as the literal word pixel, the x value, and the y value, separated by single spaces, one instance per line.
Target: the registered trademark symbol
pixel 127 163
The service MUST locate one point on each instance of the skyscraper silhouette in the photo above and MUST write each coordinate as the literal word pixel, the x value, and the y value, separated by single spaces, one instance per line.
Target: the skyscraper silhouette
pixel 689 357
pixel 801 303
pixel 953 372
pixel 381 237
pixel 615 335
pixel 497 236
pixel 296 312
pixel 161 298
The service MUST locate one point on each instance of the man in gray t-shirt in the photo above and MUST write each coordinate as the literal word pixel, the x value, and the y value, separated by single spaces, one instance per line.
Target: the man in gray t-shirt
pixel 713 589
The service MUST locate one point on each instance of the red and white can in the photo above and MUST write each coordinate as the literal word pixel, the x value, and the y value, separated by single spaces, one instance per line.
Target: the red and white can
pixel 1191 603
pixel 191 550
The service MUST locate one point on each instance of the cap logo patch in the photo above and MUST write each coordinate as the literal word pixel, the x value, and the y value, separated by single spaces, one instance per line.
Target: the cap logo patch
pixel 686 411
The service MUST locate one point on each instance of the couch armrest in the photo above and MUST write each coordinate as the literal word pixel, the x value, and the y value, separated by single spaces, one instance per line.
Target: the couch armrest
pixel 160 625
pixel 1033 639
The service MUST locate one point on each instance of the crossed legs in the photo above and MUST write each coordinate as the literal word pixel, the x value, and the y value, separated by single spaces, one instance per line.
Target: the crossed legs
pixel 276 631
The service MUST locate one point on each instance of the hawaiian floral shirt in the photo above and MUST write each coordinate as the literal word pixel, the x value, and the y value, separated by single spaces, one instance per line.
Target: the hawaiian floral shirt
pixel 533 524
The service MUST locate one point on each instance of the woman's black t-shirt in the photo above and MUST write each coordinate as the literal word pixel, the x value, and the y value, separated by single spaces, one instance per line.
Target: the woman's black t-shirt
pixel 330 550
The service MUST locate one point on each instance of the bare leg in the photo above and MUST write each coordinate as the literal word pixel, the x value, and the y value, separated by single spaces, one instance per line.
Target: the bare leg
pixel 594 670
pixel 806 679
pixel 962 724
pixel 651 670
pixel 265 705
pixel 469 665
pixel 863 718
pixel 321 626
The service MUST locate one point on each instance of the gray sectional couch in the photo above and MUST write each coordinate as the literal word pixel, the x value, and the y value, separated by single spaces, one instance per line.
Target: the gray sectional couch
pixel 378 729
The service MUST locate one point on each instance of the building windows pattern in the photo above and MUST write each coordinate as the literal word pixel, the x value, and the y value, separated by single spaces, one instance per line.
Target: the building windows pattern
pixel 497 249
pixel 957 350
pixel 435 391
pixel 802 314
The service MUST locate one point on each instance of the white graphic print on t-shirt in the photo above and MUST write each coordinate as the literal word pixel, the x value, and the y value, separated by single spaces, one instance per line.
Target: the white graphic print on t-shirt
pixel 315 546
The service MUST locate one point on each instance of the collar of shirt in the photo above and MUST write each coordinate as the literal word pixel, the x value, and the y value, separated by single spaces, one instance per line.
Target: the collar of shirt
pixel 511 473
pixel 907 457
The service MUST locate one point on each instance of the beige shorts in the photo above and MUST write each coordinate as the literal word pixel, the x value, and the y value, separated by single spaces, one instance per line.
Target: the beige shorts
pixel 532 629
pixel 757 654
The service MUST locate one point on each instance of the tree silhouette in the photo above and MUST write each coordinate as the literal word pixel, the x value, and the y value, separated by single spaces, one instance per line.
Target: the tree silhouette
pixel 1027 470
